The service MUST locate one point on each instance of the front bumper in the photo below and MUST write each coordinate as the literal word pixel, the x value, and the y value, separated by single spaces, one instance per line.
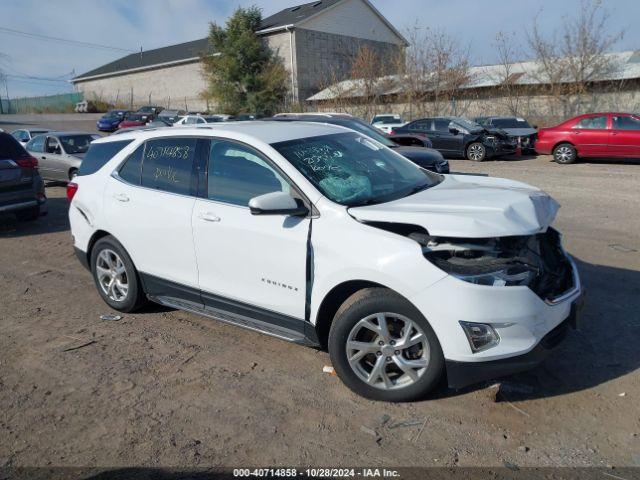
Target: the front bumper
pixel 502 148
pixel 522 319
pixel 462 374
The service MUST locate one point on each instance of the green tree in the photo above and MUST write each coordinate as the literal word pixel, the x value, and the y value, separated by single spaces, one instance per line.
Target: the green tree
pixel 243 74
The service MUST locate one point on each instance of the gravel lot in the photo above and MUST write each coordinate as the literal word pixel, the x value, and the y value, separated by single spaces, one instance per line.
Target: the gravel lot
pixel 167 388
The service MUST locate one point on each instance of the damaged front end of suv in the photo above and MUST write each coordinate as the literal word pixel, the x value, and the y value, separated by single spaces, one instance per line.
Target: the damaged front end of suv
pixel 535 261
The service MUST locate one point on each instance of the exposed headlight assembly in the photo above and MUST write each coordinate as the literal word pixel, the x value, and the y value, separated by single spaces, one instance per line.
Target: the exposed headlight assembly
pixel 500 278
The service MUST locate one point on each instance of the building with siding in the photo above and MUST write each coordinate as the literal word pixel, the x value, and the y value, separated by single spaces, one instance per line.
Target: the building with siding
pixel 314 40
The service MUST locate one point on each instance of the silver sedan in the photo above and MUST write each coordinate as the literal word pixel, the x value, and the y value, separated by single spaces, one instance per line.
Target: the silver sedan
pixel 60 154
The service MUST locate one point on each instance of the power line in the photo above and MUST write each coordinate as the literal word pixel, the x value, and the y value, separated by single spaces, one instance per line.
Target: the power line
pixel 29 77
pixel 11 31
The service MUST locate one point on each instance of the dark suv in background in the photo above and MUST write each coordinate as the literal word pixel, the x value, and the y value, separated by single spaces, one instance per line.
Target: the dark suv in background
pixel 427 158
pixel 516 127
pixel 21 186
pixel 461 137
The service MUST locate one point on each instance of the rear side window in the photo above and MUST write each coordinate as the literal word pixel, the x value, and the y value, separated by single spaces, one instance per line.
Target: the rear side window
pixel 421 125
pixel 592 123
pixel 132 167
pixel 99 154
pixel 169 165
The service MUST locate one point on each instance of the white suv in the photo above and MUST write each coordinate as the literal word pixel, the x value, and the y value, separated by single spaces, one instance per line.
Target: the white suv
pixel 319 235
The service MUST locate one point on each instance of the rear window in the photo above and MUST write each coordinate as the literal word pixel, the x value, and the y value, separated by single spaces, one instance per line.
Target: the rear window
pixel 10 147
pixel 99 154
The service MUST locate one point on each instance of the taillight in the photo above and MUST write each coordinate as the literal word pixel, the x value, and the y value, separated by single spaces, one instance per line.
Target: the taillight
pixel 27 162
pixel 72 188
pixel 392 132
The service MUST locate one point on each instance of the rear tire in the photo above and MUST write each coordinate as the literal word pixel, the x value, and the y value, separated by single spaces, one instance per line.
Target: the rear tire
pixel 477 152
pixel 73 173
pixel 115 276
pixel 565 154
pixel 396 358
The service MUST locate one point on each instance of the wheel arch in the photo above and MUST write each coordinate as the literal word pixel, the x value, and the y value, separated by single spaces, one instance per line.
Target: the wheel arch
pixel 97 235
pixel 334 299
pixel 560 142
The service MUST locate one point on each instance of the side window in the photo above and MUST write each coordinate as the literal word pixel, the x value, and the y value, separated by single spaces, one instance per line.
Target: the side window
pixel 37 144
pixel 169 165
pixel 626 123
pixel 132 168
pixel 421 125
pixel 98 155
pixel 53 146
pixel 441 124
pixel 238 173
pixel 190 120
pixel 592 123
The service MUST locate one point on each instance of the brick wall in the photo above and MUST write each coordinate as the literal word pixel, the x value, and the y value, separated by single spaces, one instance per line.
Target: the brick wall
pixel 176 87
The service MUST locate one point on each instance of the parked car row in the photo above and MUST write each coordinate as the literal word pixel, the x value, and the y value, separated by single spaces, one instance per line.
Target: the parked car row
pixel 593 135
pixel 116 120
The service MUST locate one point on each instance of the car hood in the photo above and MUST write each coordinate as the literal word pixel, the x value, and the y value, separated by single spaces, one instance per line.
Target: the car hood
pixel 466 206
pixel 520 132
pixel 422 154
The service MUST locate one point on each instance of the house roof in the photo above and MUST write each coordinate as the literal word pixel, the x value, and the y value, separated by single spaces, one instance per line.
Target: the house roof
pixel 191 51
pixel 297 14
pixel 624 66
pixel 173 54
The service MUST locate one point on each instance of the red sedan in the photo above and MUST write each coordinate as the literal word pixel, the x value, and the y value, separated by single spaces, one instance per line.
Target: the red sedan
pixel 599 135
pixel 135 120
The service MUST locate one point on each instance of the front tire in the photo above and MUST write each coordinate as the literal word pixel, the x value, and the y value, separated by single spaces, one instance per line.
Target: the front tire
pixel 477 152
pixel 383 348
pixel 565 153
pixel 115 276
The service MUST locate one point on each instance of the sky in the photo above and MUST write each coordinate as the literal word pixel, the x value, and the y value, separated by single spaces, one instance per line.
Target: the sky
pixel 38 66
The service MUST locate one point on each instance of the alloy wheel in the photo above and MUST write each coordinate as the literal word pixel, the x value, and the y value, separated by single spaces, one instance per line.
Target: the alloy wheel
pixel 112 275
pixel 387 351
pixel 476 152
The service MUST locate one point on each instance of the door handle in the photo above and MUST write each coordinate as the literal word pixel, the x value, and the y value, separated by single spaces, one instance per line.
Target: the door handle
pixel 576 133
pixel 121 197
pixel 208 217
pixel 43 158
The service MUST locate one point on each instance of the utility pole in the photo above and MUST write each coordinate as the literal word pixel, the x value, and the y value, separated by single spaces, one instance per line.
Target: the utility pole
pixel 6 89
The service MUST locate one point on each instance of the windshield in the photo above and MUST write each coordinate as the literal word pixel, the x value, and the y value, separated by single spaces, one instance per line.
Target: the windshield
pixel 76 143
pixel 510 123
pixel 353 170
pixel 386 119
pixel 368 130
pixel 113 115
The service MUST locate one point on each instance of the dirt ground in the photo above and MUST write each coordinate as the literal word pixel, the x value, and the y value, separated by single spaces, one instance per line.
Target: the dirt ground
pixel 168 388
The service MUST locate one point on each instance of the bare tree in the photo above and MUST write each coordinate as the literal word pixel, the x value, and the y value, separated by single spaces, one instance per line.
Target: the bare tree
pixel 507 75
pixel 570 61
pixel 436 68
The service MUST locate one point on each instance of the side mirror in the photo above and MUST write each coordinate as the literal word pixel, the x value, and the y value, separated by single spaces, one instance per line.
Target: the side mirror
pixel 454 131
pixel 535 126
pixel 277 203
